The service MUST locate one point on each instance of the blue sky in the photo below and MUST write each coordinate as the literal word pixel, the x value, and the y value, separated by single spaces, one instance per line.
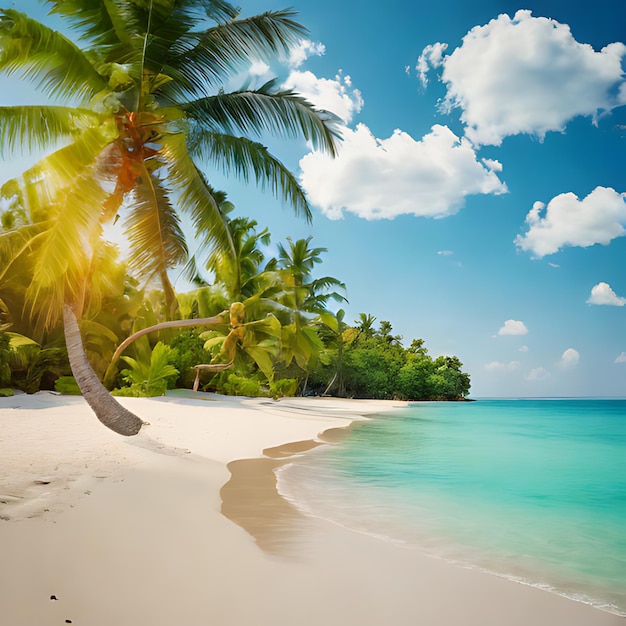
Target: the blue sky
pixel 477 200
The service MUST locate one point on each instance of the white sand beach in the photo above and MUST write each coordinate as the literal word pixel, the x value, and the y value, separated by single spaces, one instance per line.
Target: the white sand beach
pixel 97 529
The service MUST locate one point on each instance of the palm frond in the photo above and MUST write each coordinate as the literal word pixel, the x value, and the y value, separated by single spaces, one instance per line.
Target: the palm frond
pixel 266 110
pixel 196 197
pixel 41 184
pixel 245 158
pixel 216 10
pixel 206 58
pixel 153 229
pixel 17 242
pixel 40 127
pixel 63 261
pixel 326 282
pixel 37 53
pixel 102 22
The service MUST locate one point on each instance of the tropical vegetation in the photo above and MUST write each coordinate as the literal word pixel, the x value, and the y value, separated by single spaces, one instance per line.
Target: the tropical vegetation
pixel 143 105
pixel 144 112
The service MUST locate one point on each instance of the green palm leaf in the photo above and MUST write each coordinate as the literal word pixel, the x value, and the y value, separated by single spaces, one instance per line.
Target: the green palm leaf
pixel 55 65
pixel 195 196
pixel 103 22
pixel 266 111
pixel 204 59
pixel 64 258
pixel 41 184
pixel 153 229
pixel 40 127
pixel 245 158
pixel 18 242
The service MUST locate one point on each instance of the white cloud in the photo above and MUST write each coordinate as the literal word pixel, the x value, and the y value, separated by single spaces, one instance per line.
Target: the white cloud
pixel 569 358
pixel 538 373
pixel 303 50
pixel 568 221
pixel 621 358
pixel 335 95
pixel 497 366
pixel 525 75
pixel 493 165
pixel 513 327
pixel 382 178
pixel 445 252
pixel 603 294
pixel 523 349
pixel 259 68
pixel 432 56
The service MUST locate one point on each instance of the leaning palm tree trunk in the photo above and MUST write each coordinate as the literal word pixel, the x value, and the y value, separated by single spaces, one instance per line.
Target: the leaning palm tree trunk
pixel 107 409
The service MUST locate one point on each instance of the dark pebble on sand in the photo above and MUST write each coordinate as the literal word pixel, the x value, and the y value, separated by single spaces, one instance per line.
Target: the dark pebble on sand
pixel 53 597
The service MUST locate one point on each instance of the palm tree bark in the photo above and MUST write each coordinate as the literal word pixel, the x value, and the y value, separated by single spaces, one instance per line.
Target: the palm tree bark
pixel 108 410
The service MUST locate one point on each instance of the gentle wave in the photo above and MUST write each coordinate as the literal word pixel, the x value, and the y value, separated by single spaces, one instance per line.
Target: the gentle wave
pixel 496 487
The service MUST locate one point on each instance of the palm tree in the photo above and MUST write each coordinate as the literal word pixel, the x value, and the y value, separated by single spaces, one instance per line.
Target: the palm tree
pixel 142 106
pixel 239 271
pixel 335 328
pixel 365 325
pixel 303 293
pixel 302 298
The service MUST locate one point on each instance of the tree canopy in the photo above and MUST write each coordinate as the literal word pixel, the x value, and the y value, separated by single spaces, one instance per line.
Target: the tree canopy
pixel 145 104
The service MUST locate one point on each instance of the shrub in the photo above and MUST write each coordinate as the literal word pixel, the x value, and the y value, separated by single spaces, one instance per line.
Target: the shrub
pixel 283 387
pixel 237 386
pixel 189 352
pixel 151 378
pixel 134 391
pixel 67 385
pixel 5 369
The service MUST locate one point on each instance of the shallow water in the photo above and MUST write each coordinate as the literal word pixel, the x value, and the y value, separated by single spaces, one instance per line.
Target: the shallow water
pixel 534 490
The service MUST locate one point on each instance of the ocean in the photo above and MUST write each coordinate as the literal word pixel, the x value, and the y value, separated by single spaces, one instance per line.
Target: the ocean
pixel 532 489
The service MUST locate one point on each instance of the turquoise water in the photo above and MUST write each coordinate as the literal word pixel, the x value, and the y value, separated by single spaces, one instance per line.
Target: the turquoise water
pixel 534 490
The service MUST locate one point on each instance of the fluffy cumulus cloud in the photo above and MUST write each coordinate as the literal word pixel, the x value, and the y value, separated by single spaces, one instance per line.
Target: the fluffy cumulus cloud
pixel 513 327
pixel 603 294
pixel 334 95
pixel 525 75
pixel 569 358
pixel 382 178
pixel 621 358
pixel 569 221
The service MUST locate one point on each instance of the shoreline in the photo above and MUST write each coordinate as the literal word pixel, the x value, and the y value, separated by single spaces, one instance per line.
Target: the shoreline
pixel 252 499
pixel 133 532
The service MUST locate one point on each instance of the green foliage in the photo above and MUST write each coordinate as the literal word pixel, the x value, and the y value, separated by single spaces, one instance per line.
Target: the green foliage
pixel 67 385
pixel 134 391
pixel 371 371
pixel 5 355
pixel 373 364
pixel 234 385
pixel 150 377
pixel 6 393
pixel 35 367
pixel 149 97
pixel 284 387
pixel 188 351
